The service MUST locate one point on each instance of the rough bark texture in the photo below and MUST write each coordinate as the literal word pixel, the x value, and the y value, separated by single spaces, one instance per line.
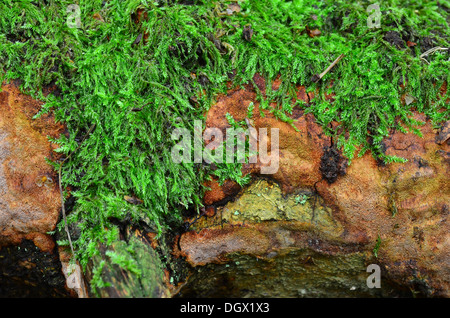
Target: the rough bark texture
pixel 29 200
pixel 349 207
pixel 309 230
pixel 147 279
pixel 29 195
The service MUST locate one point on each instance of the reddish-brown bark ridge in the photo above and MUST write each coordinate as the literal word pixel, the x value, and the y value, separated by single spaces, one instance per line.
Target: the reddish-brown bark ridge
pixel 29 194
pixel 405 204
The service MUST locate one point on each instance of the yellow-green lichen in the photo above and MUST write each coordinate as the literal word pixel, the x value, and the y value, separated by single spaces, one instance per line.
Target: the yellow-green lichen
pixel 264 201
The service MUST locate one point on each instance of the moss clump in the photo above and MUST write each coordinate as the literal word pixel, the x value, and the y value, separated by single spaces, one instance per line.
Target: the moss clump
pixel 133 83
pixel 133 270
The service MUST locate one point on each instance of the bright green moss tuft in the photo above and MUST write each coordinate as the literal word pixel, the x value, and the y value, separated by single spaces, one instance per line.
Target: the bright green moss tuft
pixel 134 93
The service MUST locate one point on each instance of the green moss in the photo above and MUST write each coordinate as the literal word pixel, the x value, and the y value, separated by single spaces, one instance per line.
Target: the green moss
pixel 377 247
pixel 137 92
pixel 128 269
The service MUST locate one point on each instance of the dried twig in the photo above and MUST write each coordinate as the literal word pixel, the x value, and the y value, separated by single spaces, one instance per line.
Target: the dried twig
pixel 61 190
pixel 317 77
pixel 430 51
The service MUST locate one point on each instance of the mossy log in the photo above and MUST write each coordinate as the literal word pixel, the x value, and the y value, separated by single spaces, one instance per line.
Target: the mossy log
pixel 128 268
